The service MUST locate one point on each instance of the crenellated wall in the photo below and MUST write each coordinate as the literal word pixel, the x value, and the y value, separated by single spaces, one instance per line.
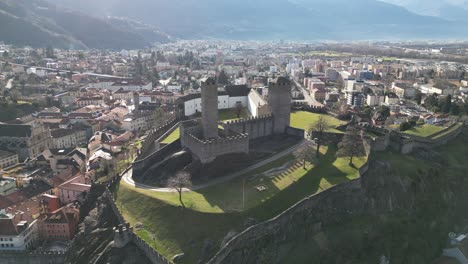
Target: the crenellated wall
pixel 24 257
pixel 148 146
pixel 139 166
pixel 208 150
pixel 255 127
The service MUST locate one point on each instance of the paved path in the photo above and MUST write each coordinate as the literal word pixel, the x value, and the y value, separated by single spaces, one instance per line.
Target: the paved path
pixel 127 177
pixel 308 98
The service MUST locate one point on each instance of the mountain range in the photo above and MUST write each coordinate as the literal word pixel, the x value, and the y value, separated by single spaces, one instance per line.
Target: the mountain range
pixel 39 23
pixel 135 23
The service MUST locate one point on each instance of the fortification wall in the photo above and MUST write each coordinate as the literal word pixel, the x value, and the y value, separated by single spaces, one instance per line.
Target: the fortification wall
pixel 255 127
pixel 379 189
pixel 149 251
pixel 148 146
pixel 140 166
pixel 208 150
pixel 295 132
pixel 308 108
pixel 22 257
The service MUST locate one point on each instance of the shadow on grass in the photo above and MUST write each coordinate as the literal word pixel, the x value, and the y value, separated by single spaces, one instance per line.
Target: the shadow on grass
pixel 187 231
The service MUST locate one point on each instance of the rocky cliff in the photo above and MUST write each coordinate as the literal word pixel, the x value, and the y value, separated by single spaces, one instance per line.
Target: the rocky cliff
pixel 94 243
pixel 271 239
pixel 356 216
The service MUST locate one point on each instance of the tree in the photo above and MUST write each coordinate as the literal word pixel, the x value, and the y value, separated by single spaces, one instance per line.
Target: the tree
pixel 239 108
pixel 223 78
pixel 447 104
pixel 405 126
pixel 385 110
pixel 50 52
pixel 305 154
pixel 418 98
pixel 5 54
pixel 160 117
pixel 179 182
pixel 351 144
pixel 319 127
pixel 340 84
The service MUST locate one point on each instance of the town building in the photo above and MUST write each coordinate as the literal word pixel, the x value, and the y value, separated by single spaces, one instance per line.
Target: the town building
pixel 8 159
pixel 26 140
pixel 17 231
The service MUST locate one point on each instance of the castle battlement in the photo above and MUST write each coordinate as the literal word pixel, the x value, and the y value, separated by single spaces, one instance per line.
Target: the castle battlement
pixel 207 150
pixel 249 119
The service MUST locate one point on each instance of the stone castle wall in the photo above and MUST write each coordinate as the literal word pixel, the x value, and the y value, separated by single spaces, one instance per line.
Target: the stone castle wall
pixel 208 150
pixel 141 165
pixel 255 127
pixel 149 251
pixel 23 257
pixel 279 100
pixel 148 146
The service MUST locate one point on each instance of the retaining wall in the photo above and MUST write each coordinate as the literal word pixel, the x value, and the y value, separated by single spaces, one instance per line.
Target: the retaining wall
pixel 140 166
pixel 149 251
pixel 22 257
pixel 148 146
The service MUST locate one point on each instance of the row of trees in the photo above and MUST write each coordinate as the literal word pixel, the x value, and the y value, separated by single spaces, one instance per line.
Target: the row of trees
pixel 350 146
pixel 445 105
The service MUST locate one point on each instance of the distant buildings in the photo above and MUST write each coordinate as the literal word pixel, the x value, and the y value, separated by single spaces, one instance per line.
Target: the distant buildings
pixel 24 140
pixel 8 159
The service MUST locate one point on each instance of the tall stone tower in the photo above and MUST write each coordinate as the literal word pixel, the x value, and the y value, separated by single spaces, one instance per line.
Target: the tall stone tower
pixel 209 101
pixel 279 99
pixel 136 100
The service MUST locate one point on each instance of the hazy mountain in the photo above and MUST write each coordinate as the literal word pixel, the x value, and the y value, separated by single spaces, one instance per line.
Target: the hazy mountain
pixel 266 19
pixel 39 23
pixel 453 10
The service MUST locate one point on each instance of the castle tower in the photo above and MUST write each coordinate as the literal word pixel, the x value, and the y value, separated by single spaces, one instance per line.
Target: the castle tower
pixel 209 101
pixel 279 100
pixel 136 100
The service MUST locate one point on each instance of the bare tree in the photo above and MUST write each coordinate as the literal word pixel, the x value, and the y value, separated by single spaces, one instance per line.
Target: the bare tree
pixel 305 154
pixel 239 108
pixel 179 182
pixel 351 144
pixel 319 127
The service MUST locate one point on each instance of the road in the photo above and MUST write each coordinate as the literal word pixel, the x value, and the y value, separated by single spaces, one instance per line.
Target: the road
pixel 311 101
pixel 127 177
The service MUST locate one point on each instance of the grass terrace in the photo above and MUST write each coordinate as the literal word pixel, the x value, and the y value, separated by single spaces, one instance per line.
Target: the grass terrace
pixel 425 130
pixel 302 120
pixel 214 211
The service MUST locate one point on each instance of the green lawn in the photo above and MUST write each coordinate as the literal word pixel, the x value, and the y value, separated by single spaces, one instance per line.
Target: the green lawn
pixel 448 131
pixel 230 114
pixel 224 115
pixel 214 211
pixel 425 130
pixel 303 119
pixel 172 137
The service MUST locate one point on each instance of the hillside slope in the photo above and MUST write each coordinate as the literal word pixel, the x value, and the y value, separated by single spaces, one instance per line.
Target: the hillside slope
pixel 262 19
pixel 38 23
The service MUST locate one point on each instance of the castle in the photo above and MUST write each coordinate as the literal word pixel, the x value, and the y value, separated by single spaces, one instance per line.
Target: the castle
pixel 207 138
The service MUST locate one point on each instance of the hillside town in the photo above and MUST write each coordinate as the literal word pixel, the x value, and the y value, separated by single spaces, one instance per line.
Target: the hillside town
pixel 70 119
